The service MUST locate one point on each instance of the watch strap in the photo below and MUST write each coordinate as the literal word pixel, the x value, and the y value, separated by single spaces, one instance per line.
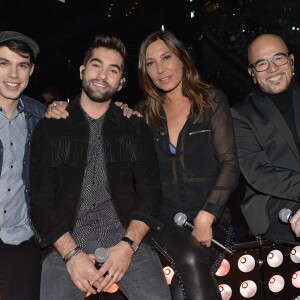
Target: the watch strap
pixel 131 243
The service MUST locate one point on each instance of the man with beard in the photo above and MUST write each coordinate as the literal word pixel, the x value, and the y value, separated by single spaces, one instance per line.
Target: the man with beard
pixel 95 183
pixel 267 129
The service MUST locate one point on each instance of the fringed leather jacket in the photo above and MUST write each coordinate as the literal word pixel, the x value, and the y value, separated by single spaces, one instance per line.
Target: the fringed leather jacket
pixel 58 161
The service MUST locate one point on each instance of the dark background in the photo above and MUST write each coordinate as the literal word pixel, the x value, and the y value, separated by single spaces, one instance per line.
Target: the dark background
pixel 218 36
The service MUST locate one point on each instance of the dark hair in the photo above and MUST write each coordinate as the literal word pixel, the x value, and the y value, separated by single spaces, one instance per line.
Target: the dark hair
pixel 108 41
pixel 192 86
pixel 20 48
pixel 53 92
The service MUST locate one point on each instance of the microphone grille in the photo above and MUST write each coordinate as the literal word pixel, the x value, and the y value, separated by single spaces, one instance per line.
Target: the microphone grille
pixel 284 215
pixel 180 218
pixel 101 255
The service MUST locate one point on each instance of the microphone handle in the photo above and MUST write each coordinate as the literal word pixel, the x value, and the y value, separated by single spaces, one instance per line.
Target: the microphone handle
pixel 98 265
pixel 215 242
pixel 223 247
pixel 290 218
pixel 188 225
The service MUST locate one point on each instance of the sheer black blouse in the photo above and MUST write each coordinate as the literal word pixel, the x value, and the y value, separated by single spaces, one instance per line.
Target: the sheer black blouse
pixel 203 170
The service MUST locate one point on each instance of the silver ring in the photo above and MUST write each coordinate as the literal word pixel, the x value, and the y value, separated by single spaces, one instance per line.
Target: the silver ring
pixel 110 275
pixel 55 104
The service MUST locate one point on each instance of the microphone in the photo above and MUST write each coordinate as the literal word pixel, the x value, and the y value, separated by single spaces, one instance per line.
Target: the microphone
pixel 285 215
pixel 101 255
pixel 181 220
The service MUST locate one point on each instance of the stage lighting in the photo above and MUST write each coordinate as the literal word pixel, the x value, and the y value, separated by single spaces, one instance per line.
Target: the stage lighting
pixel 224 268
pixel 296 279
pixel 248 289
pixel 169 274
pixel 276 283
pixel 275 258
pixel 260 270
pixel 246 263
pixel 295 254
pixel 225 291
pixel 239 276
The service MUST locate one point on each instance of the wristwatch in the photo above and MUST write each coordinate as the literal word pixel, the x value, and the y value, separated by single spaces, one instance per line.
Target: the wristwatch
pixel 131 243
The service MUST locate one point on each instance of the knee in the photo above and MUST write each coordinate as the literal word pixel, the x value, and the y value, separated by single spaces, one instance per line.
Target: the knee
pixel 193 263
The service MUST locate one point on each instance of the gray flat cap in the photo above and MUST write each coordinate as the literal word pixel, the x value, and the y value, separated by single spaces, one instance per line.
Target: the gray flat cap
pixel 17 36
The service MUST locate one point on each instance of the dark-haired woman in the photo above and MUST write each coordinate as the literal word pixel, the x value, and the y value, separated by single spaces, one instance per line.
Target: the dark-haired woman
pixel 195 143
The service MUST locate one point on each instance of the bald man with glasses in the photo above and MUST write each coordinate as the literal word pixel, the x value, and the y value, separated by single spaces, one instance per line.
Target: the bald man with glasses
pixel 267 129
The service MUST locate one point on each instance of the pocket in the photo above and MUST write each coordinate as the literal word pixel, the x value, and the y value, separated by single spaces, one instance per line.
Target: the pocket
pixel 200 131
pixel 199 151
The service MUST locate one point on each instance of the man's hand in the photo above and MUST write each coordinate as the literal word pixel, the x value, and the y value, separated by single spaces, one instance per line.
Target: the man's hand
pixel 295 223
pixel 57 110
pixel 82 270
pixel 203 228
pixel 114 268
pixel 127 111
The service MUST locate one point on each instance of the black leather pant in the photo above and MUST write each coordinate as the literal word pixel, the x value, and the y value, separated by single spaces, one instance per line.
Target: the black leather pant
pixel 191 263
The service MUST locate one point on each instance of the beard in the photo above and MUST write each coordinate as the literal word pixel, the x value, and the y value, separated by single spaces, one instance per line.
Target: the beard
pixel 97 96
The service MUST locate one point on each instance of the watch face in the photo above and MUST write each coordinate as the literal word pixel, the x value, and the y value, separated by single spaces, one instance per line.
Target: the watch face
pixel 131 243
pixel 134 247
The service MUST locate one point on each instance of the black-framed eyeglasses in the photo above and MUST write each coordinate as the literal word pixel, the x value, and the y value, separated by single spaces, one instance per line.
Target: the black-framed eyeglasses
pixel 278 60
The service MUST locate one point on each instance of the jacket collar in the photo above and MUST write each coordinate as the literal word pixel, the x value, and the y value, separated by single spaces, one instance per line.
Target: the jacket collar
pixel 29 109
pixel 296 102
pixel 77 118
pixel 278 121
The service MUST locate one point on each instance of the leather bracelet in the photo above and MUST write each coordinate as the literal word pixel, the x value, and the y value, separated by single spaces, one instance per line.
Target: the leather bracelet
pixel 73 255
pixel 67 256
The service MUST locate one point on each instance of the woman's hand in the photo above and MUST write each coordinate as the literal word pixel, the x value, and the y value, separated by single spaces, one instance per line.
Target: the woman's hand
pixel 203 228
pixel 295 223
pixel 127 111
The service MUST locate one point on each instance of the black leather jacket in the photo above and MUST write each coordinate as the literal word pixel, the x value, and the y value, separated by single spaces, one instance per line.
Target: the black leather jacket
pixel 58 161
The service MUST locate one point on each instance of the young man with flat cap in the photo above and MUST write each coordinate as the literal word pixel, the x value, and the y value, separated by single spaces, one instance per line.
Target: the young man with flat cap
pixel 20 258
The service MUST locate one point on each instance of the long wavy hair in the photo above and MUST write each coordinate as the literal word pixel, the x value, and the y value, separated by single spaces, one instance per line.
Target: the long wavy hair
pixel 192 86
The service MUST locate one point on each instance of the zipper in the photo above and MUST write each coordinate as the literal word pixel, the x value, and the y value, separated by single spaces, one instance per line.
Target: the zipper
pixel 199 131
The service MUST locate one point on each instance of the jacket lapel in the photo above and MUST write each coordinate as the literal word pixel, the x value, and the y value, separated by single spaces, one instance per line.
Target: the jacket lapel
pixel 296 102
pixel 278 121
